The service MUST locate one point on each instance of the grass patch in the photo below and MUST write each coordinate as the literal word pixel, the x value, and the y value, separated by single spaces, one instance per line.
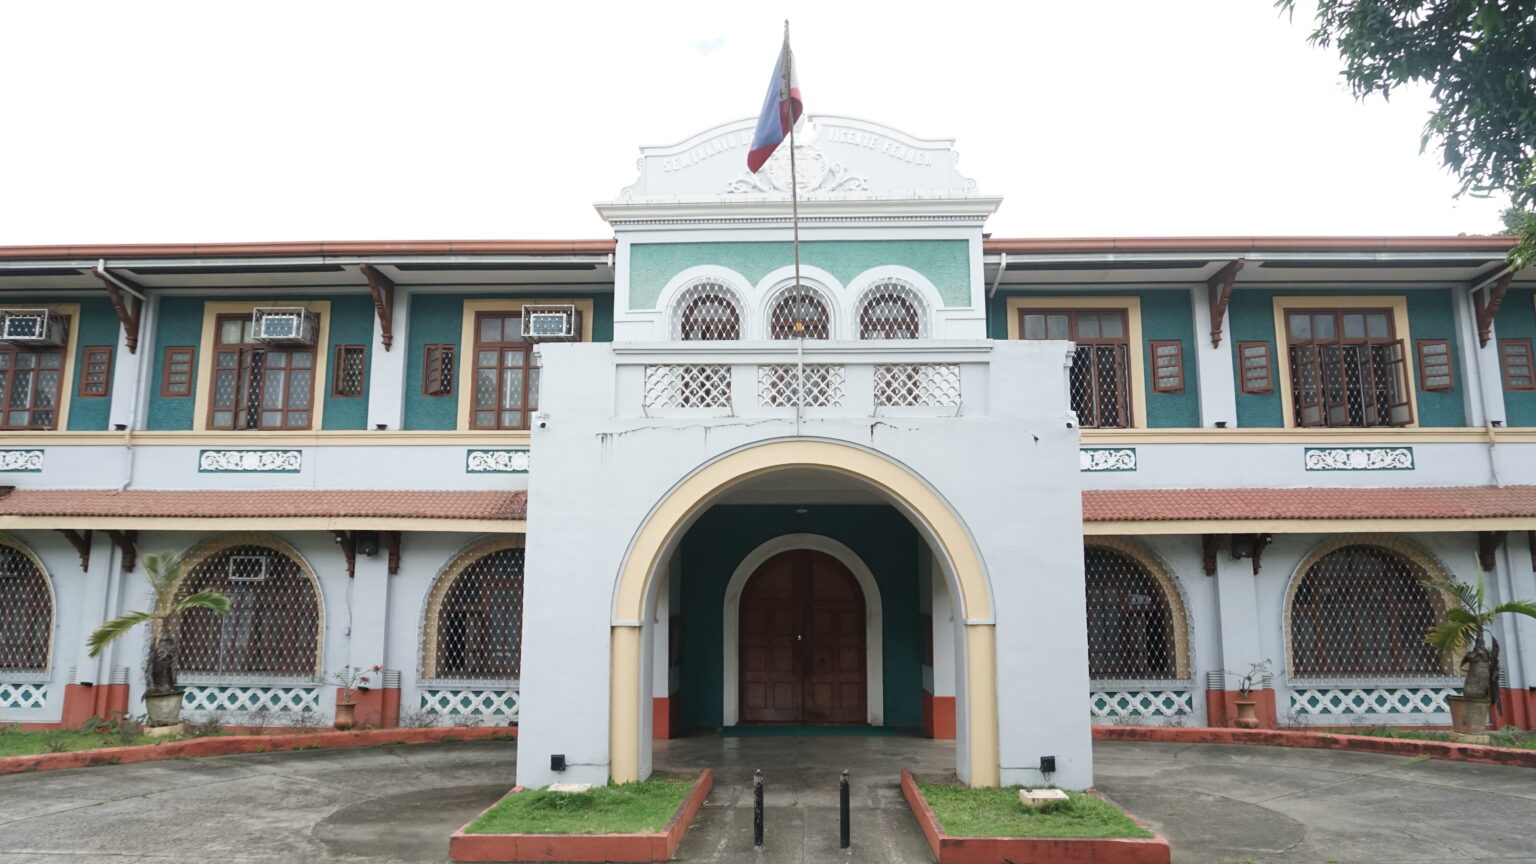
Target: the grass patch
pixel 966 812
pixel 1510 737
pixel 631 808
pixel 17 743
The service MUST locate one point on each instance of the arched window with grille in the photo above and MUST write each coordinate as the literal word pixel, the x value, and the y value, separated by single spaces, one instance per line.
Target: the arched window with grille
pixel 797 313
pixel 1136 625
pixel 706 311
pixel 474 627
pixel 892 310
pixel 26 612
pixel 272 628
pixel 1361 610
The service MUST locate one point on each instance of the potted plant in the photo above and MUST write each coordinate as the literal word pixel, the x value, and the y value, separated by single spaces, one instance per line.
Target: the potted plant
pixel 1461 630
pixel 162 698
pixel 349 680
pixel 1246 683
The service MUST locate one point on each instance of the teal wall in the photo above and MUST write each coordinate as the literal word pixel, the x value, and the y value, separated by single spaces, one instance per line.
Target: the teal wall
pixel 723 536
pixel 98 326
pixel 1517 320
pixel 180 322
pixel 1165 314
pixel 352 318
pixel 1251 318
pixel 946 263
pixel 436 319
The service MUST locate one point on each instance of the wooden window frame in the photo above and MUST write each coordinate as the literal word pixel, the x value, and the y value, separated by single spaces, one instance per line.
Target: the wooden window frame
pixel 527 369
pixel 1178 354
pixel 242 364
pixel 1125 398
pixel 169 357
pixel 1424 364
pixel 12 365
pixel 429 363
pixel 339 367
pixel 1530 363
pixel 1269 369
pixel 95 354
pixel 1308 365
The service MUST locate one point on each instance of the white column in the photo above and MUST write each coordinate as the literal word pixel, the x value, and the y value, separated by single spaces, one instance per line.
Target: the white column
pixel 1213 365
pixel 98 593
pixel 943 628
pixel 1483 385
pixel 1238 612
pixel 369 595
pixel 386 375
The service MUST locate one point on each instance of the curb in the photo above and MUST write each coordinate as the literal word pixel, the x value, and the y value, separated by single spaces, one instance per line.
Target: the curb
pixel 1321 741
pixel 226 745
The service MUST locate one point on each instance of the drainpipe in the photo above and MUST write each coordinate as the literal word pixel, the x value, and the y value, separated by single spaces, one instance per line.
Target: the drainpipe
pixel 1002 265
pixel 103 272
pixel 143 369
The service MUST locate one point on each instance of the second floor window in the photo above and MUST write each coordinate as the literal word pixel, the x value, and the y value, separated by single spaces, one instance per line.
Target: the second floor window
pixel 1100 378
pixel 506 388
pixel 1348 368
pixel 259 386
pixel 29 387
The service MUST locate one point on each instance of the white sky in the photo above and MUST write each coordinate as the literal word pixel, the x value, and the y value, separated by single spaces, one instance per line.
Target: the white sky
pixel 226 121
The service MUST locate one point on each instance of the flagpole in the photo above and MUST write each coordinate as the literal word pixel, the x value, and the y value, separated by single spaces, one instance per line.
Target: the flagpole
pixel 794 220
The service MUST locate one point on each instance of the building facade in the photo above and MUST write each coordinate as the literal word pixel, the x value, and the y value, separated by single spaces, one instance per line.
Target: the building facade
pixel 994 489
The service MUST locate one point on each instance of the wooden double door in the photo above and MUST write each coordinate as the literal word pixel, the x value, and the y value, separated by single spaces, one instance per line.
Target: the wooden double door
pixel 802 642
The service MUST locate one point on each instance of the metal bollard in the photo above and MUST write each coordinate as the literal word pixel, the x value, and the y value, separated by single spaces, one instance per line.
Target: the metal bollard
pixel 843 841
pixel 757 810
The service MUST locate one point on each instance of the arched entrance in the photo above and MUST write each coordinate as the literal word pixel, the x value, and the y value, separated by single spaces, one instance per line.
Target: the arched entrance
pixel 801 637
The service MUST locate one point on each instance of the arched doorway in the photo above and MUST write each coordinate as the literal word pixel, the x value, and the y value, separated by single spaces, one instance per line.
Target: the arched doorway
pixel 802 642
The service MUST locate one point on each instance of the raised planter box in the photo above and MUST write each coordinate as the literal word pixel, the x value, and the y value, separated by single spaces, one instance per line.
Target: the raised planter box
pixel 1322 741
pixel 1035 850
pixel 659 846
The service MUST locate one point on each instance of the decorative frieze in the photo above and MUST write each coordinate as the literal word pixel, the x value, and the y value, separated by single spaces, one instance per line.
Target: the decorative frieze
pixel 1140 703
pixel 511 461
pixel 251 461
pixel 1106 459
pixel 494 705
pixel 29 461
pixel 251 699
pixel 1337 701
pixel 21 696
pixel 1358 458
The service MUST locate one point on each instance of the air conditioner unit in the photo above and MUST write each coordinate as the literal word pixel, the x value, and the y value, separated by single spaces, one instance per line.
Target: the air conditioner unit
pixel 284 325
pixel 32 327
pixel 247 568
pixel 549 323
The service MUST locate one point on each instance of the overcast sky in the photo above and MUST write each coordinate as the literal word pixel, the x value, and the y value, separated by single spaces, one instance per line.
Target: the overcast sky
pixel 226 121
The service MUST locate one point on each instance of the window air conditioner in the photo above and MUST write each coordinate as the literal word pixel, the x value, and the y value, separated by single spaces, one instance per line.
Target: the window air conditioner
pixel 549 323
pixel 32 327
pixel 247 568
pixel 283 325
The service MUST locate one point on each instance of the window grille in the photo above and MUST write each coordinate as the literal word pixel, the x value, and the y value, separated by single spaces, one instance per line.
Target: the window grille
pixel 1100 380
pixel 1347 369
pixel 1515 364
pixel 96 376
pixel 479 627
pixel 892 310
pixel 26 614
pixel 1255 367
pixel 706 312
pixel 1435 369
pixel 778 385
pixel 176 374
pixel 1130 622
pixel 688 385
pixel 273 624
pixel 349 372
pixel 799 313
pixel 921 385
pixel 437 370
pixel 1362 611
pixel 506 388
pixel 29 388
pixel 257 386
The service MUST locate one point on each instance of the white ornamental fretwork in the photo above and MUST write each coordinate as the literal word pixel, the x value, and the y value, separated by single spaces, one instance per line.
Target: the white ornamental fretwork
pixel 21 460
pixel 687 385
pixel 20 696
pixel 1107 459
pixel 917 385
pixel 492 704
pixel 1140 703
pixel 497 462
pixel 778 385
pixel 1359 458
pixel 1371 700
pixel 286 461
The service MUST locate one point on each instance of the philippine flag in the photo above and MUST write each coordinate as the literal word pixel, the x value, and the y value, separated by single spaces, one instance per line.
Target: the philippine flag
pixel 781 108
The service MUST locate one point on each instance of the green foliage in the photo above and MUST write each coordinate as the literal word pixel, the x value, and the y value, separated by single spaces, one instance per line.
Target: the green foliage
pixel 1462 625
pixel 165 575
pixel 1479 58
pixel 641 807
pixel 996 812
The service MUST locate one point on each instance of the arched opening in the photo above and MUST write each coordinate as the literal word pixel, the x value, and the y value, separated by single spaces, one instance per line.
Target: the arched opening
pixel 273 625
pixel 799 313
pixel 1137 625
pixel 26 611
pixel 474 616
pixel 751 470
pixel 892 310
pixel 707 311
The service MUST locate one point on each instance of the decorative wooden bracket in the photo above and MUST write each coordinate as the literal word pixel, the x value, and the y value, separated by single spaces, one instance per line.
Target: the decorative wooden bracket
pixel 128 543
pixel 1488 542
pixel 82 544
pixel 1487 302
pixel 1210 543
pixel 129 308
pixel 1260 543
pixel 1219 287
pixel 391 541
pixel 347 540
pixel 383 290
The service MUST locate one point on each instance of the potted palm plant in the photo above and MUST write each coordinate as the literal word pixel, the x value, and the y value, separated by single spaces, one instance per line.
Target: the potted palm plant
pixel 162 698
pixel 1461 630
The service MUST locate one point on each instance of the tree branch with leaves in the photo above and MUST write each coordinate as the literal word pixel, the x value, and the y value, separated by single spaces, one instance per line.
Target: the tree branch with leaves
pixel 1463 628
pixel 165 576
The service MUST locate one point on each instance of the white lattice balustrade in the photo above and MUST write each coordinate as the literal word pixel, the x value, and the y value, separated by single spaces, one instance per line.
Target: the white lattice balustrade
pixel 917 385
pixel 1339 701
pixel 778 385
pixel 1140 703
pixel 687 385
pixel 496 705
pixel 23 695
pixel 245 699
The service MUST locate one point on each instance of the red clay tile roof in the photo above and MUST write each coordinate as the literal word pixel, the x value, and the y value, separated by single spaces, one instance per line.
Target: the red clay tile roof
pixel 268 502
pixel 1450 502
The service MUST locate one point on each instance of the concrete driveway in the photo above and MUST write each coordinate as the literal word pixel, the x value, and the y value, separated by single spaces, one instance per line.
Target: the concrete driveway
pixel 1216 803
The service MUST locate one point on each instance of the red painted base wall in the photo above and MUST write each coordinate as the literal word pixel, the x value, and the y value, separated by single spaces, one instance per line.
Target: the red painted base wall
pixel 664 717
pixel 376 709
pixel 1517 708
pixel 939 716
pixel 84 701
pixel 1221 708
